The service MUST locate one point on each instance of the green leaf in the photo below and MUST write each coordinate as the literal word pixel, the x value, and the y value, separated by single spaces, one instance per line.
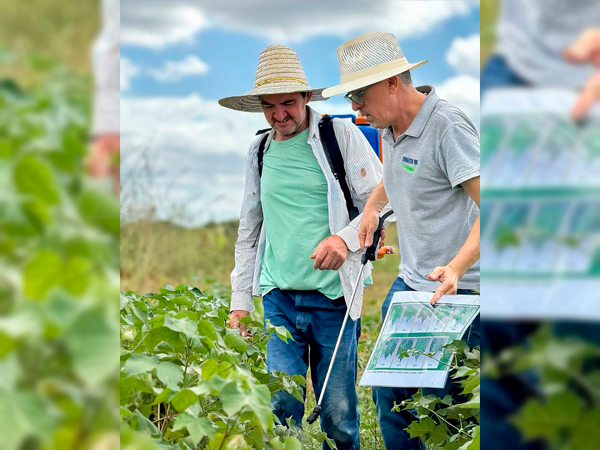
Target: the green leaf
pixel 282 332
pixel 475 402
pixel 206 328
pixel 140 363
pixel 24 414
pixel 34 177
pixel 42 272
pixel 536 419
pixel 439 434
pixel 183 399
pixel 422 428
pixel 145 426
pixel 586 434
pixel 475 442
pixel 93 342
pixel 209 368
pixel 197 427
pixel 170 375
pixel 101 210
pixel 162 397
pixel 236 342
pixel 76 274
pixel 257 399
pixel 185 326
pixel 289 443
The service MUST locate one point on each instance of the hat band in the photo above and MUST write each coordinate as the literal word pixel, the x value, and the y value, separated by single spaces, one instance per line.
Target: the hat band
pixel 270 80
pixel 371 70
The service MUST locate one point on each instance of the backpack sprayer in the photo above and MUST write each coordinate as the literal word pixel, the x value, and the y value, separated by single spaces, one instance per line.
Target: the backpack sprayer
pixel 370 254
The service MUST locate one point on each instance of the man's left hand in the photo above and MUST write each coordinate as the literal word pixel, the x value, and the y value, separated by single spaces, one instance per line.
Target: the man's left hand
pixel 330 254
pixel 448 276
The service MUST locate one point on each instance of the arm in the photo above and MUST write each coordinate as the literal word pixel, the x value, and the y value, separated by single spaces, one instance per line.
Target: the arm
pixel 246 246
pixel 449 274
pixel 103 160
pixel 370 221
pixel 363 173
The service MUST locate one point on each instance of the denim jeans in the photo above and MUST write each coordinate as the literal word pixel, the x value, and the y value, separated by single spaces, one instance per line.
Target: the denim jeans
pixel 392 424
pixel 314 321
pixel 497 74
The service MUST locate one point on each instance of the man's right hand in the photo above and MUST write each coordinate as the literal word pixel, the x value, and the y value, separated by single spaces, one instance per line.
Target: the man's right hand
pixel 368 226
pixel 236 315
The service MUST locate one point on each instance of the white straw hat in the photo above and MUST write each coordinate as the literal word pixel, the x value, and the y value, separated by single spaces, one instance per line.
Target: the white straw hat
pixel 368 59
pixel 279 71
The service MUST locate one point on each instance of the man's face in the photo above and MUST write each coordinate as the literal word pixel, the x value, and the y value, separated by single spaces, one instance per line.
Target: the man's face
pixel 375 108
pixel 286 113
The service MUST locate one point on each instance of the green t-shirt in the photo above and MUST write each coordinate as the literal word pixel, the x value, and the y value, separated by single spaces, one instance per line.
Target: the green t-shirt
pixel 296 219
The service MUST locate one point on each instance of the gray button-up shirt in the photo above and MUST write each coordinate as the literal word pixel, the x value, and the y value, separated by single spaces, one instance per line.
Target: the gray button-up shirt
pixel 363 174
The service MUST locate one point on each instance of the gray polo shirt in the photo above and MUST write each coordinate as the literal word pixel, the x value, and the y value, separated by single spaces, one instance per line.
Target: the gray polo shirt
pixel 422 173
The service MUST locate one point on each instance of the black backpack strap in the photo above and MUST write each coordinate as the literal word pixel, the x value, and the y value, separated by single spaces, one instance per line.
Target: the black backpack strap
pixel 331 147
pixel 261 149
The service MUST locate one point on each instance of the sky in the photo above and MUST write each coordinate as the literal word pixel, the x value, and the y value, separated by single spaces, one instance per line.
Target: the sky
pixel 183 154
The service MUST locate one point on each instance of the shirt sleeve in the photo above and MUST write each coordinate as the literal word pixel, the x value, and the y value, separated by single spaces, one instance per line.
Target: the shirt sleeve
pixel 105 55
pixel 246 246
pixel 363 173
pixel 459 153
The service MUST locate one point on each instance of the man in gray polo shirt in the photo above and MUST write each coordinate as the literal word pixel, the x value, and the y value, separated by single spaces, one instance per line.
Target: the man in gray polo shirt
pixel 431 179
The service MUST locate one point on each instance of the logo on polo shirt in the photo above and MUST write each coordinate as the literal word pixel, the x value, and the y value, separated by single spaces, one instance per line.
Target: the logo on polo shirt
pixel 409 164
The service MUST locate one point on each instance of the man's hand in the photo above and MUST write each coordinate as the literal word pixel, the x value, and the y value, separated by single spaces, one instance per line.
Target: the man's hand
pixel 587 98
pixel 236 315
pixel 368 226
pixel 448 276
pixel 103 161
pixel 586 49
pixel 330 254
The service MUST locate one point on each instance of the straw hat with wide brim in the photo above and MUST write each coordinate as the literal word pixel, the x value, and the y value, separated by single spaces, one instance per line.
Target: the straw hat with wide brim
pixel 368 59
pixel 279 71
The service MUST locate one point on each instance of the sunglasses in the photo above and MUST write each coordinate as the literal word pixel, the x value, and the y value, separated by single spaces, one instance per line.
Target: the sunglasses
pixel 357 97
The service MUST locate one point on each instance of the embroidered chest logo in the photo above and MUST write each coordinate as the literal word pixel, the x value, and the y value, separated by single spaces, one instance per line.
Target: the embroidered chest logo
pixel 409 164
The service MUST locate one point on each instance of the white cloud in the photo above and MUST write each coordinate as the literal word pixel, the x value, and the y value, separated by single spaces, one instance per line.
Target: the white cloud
pixel 189 151
pixel 463 92
pixel 463 55
pixel 127 72
pixel 176 70
pixel 156 24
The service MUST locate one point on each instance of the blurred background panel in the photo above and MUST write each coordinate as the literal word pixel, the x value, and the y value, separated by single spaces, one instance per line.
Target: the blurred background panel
pixel 59 234
pixel 539 235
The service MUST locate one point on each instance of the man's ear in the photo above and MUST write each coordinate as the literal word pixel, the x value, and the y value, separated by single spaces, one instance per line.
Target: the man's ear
pixel 308 97
pixel 392 83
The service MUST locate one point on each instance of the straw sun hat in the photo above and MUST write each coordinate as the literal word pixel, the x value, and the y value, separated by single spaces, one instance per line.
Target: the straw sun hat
pixel 368 59
pixel 279 71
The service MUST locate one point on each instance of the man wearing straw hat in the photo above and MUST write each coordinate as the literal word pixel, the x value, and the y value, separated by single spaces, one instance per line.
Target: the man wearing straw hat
pixel 431 179
pixel 295 220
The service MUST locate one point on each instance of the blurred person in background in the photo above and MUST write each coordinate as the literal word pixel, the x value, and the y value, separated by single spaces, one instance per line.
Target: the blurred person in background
pixel 103 161
pixel 550 44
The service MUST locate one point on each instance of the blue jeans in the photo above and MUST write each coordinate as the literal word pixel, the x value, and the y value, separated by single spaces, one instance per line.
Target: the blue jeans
pixel 314 321
pixel 392 424
pixel 496 74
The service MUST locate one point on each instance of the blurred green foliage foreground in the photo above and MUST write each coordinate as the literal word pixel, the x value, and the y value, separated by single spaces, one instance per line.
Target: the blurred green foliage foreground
pixel 59 259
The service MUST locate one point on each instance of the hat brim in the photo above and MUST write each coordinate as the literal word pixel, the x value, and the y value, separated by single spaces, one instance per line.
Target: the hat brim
pixel 250 102
pixel 373 77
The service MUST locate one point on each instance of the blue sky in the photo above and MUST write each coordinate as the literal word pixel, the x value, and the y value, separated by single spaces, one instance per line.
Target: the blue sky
pixel 186 153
